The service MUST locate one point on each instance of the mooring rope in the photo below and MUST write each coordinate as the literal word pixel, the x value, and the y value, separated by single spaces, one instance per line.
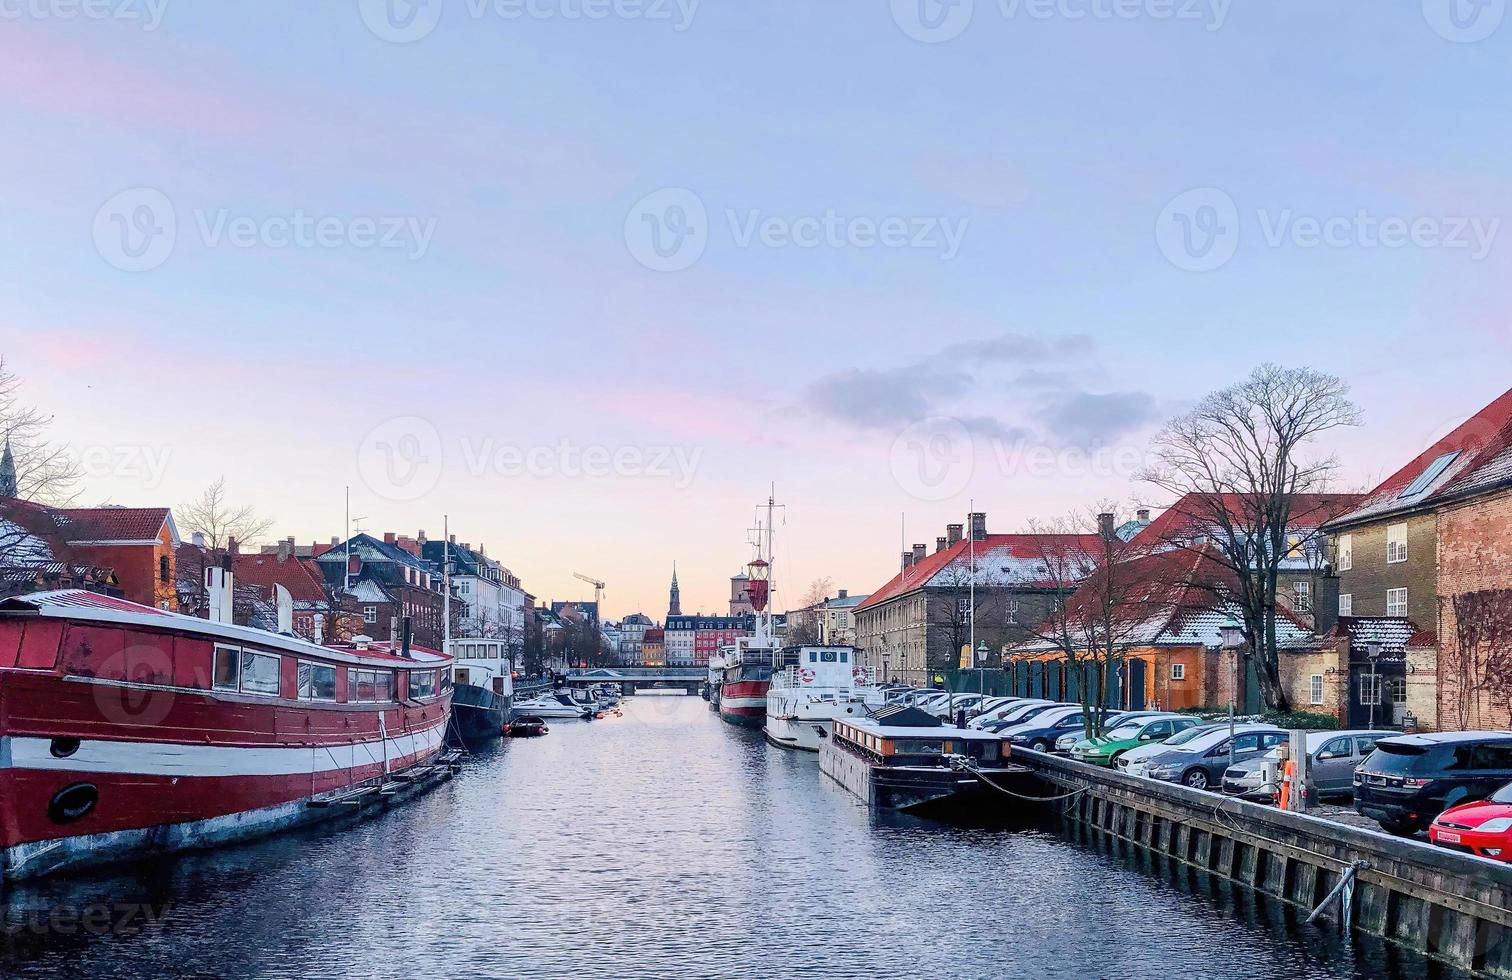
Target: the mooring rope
pixel 963 764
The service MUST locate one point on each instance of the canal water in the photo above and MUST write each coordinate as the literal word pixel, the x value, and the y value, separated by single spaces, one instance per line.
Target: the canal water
pixel 665 844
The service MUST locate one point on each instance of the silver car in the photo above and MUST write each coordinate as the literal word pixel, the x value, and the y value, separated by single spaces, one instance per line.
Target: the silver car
pixel 1332 759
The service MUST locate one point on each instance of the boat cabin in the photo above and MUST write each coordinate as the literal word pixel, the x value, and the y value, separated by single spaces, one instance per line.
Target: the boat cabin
pixel 824 667
pixel 901 735
pixel 483 663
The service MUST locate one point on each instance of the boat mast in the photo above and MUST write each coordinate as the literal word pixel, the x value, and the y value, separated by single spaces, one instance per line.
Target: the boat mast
pixel 446 583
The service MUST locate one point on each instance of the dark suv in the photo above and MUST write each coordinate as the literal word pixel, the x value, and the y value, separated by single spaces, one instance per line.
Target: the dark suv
pixel 1410 779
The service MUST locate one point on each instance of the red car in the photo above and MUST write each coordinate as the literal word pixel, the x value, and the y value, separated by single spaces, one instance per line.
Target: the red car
pixel 1483 828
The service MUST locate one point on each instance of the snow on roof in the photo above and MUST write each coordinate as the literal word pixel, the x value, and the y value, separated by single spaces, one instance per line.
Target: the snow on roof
pixel 1001 560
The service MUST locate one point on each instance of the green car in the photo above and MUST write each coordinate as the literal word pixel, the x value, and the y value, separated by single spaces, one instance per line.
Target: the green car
pixel 1105 750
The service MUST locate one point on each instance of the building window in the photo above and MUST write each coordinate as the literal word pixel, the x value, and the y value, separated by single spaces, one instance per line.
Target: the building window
pixel 1302 597
pixel 1316 685
pixel 1346 604
pixel 1396 544
pixel 317 682
pixel 1296 545
pixel 163 572
pixel 1178 672
pixel 1396 602
pixel 1370 689
pixel 1396 689
pixel 370 614
pixel 1346 552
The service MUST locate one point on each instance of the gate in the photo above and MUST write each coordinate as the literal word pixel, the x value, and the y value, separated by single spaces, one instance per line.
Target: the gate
pixel 1135 673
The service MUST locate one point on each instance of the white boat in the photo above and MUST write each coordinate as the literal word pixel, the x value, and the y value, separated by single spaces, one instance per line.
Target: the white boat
pixel 818 685
pixel 559 705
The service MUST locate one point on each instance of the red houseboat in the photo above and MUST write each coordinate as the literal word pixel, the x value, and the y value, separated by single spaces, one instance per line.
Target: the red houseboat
pixel 127 731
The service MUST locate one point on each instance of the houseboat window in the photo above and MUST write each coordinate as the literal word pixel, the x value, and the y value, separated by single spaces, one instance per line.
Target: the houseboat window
pixel 227 668
pixel 813 657
pixel 422 683
pixel 317 682
pixel 446 681
pixel 845 658
pixel 920 746
pixel 259 673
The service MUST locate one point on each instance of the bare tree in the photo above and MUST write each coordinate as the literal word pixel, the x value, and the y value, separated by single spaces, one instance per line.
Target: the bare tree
pixel 213 516
pixel 46 472
pixel 803 622
pixel 1479 664
pixel 1241 460
pixel 951 605
pixel 1097 606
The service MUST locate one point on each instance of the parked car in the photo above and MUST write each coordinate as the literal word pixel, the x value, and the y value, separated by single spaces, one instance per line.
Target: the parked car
pixel 1200 763
pixel 1130 733
pixel 1410 779
pixel 1332 757
pixel 990 704
pixel 1135 761
pixel 1022 715
pixel 950 706
pixel 1041 732
pixel 1483 829
pixel 992 715
pixel 1111 720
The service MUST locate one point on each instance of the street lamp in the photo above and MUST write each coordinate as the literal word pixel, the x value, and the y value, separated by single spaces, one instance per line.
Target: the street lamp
pixel 1233 638
pixel 981 659
pixel 1373 651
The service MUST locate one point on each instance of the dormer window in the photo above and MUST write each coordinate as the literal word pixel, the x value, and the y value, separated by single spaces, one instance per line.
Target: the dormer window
pixel 1426 478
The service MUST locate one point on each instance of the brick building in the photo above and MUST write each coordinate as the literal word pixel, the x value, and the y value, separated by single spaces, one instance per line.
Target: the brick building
pixel 691 640
pixel 134 547
pixel 1432 547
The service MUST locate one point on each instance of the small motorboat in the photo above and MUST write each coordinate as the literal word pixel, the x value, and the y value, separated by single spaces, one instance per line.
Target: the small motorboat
pixel 526 726
pixel 558 705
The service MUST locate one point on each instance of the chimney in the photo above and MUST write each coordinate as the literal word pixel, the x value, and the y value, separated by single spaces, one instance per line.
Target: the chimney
pixel 979 526
pixel 453 539
pixel 940 544
pixel 954 533
pixel 233 547
pixel 285 549
pixel 335 541
pixel 1144 515
pixel 1105 526
pixel 389 537
pixel 919 551
pixel 198 539
pixel 844 594
pixel 907 560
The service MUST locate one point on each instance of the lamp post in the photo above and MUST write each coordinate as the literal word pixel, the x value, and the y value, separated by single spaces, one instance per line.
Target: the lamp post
pixel 1373 651
pixel 981 659
pixel 1233 638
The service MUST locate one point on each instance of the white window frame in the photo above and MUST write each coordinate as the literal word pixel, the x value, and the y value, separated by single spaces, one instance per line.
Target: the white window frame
pixel 1302 597
pixel 353 682
pixel 1396 544
pixel 1370 689
pixel 1397 598
pixel 1346 552
pixel 370 614
pixel 235 653
pixel 1346 603
pixel 241 674
pixel 1315 689
pixel 301 695
pixel 1178 672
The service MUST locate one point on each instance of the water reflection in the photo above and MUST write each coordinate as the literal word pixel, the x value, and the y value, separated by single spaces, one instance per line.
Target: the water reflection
pixel 666 844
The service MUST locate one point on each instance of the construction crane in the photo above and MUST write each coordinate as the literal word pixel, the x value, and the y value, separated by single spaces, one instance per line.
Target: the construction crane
pixel 598 592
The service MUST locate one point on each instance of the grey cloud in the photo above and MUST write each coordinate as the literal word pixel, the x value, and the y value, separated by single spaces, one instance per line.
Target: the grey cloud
pixel 879 399
pixel 1086 419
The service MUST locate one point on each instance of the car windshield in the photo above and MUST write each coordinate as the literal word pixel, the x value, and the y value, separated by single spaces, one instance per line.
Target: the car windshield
pixel 1503 795
pixel 1182 738
pixel 1126 730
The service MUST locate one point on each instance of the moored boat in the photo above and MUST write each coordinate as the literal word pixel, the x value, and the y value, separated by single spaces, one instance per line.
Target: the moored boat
pixel 484 691
pixel 819 685
pixel 130 731
pixel 527 726
pixel 906 759
pixel 557 705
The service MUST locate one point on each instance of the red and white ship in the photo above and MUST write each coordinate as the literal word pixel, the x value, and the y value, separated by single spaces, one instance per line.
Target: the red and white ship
pixel 127 731
pixel 749 663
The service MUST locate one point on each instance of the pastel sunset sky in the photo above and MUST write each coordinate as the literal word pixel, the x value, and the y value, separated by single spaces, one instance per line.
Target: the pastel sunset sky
pixel 589 285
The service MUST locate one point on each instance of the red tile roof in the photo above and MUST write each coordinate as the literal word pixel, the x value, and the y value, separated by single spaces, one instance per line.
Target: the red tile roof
pixel 1024 554
pixel 85 524
pixel 1193 514
pixel 1484 445
pixel 266 571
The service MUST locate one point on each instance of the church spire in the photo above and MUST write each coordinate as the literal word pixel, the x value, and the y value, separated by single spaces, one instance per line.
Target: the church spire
pixel 674 605
pixel 8 486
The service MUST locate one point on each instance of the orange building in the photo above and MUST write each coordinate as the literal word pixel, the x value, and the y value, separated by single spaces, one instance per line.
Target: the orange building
pixel 139 543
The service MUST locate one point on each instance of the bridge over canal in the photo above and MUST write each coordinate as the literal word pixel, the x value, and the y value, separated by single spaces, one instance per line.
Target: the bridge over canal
pixel 632 679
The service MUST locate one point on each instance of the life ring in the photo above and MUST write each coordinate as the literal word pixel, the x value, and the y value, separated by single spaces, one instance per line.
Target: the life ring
pixel 806 676
pixel 858 674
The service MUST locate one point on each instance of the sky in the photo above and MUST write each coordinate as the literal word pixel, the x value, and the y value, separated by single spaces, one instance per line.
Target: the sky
pixel 587 278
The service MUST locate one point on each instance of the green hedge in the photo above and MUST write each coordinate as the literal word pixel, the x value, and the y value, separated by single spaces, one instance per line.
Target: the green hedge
pixel 1289 720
